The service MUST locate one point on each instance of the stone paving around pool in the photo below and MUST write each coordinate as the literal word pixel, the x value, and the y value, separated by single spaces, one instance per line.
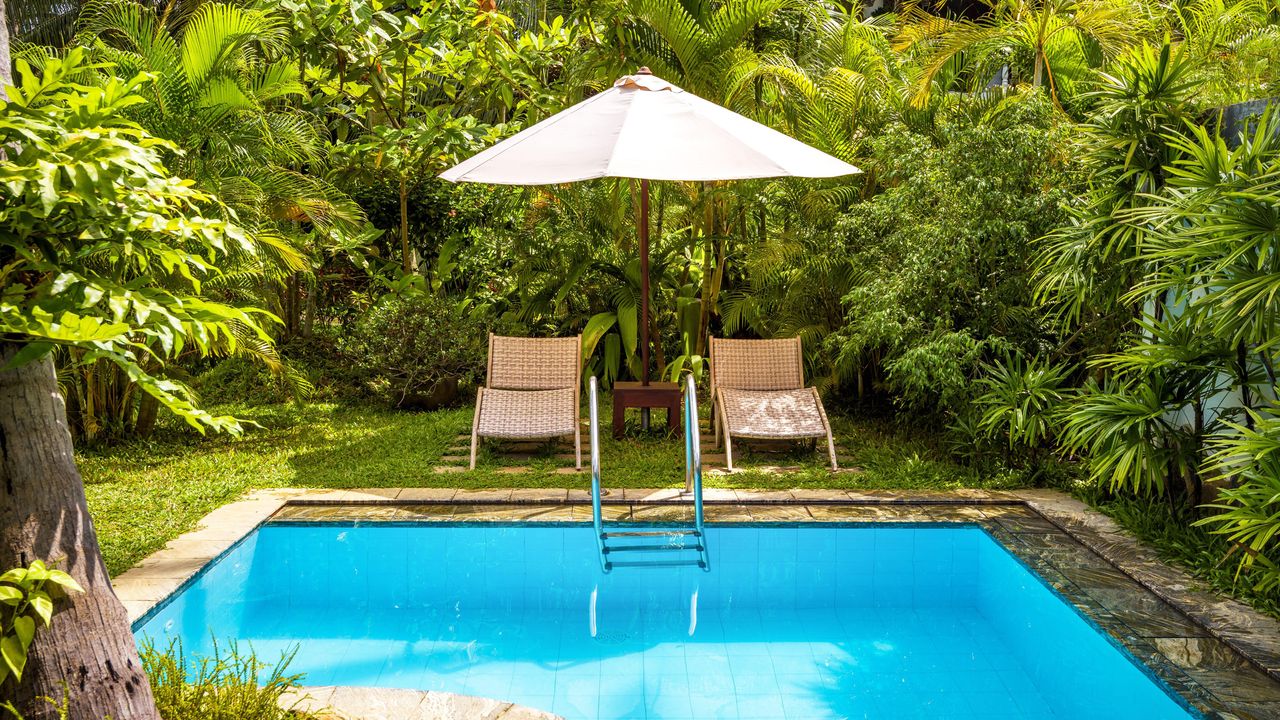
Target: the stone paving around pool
pixel 1220 655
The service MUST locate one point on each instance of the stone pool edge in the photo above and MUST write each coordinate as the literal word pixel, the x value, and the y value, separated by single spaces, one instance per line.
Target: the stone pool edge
pixel 361 703
pixel 1252 634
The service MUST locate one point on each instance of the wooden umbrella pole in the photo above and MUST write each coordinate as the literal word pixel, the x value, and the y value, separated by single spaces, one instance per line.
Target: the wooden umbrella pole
pixel 644 296
pixel 644 281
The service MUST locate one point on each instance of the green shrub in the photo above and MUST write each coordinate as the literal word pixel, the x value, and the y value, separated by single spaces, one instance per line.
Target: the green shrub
pixel 224 686
pixel 942 283
pixel 417 351
pixel 238 380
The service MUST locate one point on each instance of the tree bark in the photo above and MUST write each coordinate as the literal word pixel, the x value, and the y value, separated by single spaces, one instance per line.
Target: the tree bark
pixel 6 72
pixel 148 413
pixel 88 654
pixel 408 257
pixel 309 311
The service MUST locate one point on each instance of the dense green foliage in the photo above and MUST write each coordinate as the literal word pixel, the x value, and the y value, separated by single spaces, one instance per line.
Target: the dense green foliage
pixel 417 350
pixel 1061 249
pixel 105 252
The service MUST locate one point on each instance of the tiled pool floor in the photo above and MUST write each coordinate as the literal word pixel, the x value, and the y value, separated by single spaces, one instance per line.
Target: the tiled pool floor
pixel 850 664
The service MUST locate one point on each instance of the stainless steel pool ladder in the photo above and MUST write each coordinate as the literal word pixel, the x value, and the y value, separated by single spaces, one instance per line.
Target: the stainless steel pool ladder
pixel 692 540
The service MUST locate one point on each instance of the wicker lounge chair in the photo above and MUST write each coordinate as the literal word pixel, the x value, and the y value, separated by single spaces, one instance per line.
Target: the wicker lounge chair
pixel 758 391
pixel 531 393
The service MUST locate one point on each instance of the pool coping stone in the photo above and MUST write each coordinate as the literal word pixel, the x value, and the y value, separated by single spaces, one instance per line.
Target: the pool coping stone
pixel 335 702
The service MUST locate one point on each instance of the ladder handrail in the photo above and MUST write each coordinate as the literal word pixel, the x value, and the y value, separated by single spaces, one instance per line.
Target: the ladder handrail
pixel 693 484
pixel 593 432
pixel 693 450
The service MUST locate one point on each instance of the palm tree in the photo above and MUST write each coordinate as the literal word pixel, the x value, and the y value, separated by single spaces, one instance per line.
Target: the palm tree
pixel 222 93
pixel 1054 43
pixel 846 77
pixel 1233 46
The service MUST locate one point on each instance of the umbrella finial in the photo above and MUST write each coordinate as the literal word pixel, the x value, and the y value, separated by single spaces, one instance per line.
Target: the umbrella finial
pixel 644 70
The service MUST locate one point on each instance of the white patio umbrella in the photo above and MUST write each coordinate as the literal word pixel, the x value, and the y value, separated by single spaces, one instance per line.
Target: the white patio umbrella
pixel 648 129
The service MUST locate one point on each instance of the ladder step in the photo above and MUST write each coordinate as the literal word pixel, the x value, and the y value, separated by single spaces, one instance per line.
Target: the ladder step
pixel 648 533
pixel 657 563
pixel 635 548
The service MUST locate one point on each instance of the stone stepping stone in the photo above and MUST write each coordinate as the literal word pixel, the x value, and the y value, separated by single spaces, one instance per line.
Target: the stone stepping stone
pixel 442 469
pixel 455 458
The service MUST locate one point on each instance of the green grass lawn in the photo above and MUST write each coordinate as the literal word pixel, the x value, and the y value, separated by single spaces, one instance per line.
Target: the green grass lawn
pixel 142 494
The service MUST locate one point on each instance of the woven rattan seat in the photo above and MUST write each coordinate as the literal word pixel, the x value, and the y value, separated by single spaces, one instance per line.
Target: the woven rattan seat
pixel 773 414
pixel 531 393
pixel 526 414
pixel 758 391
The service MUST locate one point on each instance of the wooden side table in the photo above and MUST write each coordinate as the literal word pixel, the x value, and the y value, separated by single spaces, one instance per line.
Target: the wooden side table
pixel 654 395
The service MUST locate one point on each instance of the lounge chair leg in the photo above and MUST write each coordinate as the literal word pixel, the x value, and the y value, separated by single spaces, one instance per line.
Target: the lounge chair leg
pixel 728 451
pixel 831 450
pixel 715 422
pixel 577 445
pixel 475 427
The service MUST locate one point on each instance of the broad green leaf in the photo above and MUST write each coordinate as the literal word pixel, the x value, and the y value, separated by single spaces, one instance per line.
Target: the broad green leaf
pixel 597 326
pixel 65 581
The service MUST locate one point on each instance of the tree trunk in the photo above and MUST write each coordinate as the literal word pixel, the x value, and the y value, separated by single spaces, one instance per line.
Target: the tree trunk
pixel 148 413
pixel 309 311
pixel 88 654
pixel 407 254
pixel 6 73
pixel 294 307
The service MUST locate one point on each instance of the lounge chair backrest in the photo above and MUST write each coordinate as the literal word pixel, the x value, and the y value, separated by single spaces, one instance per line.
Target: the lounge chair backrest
pixel 757 364
pixel 520 363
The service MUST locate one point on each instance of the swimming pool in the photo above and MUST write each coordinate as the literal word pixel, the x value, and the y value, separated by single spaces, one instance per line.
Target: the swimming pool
pixel 792 621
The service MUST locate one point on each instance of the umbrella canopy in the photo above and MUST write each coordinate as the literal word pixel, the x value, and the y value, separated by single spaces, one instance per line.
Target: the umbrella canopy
pixel 644 127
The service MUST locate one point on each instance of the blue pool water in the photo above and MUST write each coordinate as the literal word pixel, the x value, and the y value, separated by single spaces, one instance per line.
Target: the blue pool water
pixel 792 622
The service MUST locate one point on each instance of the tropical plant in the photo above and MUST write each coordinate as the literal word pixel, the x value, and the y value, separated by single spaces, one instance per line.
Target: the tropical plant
pixel 847 80
pixel 1054 44
pixel 1250 510
pixel 221 93
pixel 227 684
pixel 1021 400
pixel 104 252
pixel 938 277
pixel 1233 46
pixel 27 595
pixel 1088 266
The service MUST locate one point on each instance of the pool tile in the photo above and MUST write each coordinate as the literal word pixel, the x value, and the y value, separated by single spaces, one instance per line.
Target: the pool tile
pixel 760 706
pixel 709 707
pixel 630 705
